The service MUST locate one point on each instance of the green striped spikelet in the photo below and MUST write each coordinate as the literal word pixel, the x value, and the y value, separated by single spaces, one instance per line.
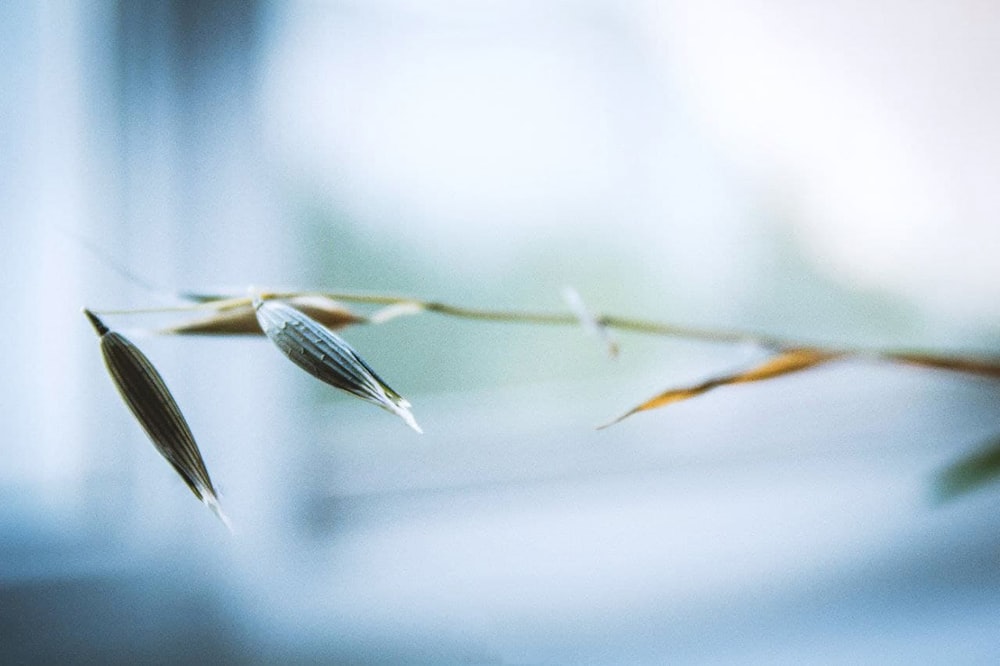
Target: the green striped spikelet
pixel 326 356
pixel 143 390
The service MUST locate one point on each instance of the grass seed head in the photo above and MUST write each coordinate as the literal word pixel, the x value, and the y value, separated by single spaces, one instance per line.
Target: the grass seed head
pixel 147 396
pixel 327 357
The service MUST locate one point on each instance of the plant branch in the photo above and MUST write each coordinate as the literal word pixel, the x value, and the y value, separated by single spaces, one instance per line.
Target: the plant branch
pixel 395 306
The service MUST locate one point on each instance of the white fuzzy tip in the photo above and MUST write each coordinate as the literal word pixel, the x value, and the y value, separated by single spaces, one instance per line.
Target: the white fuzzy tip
pixel 407 416
pixel 213 504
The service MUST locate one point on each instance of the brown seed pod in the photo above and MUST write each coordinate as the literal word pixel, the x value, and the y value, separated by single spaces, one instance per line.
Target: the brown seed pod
pixel 242 320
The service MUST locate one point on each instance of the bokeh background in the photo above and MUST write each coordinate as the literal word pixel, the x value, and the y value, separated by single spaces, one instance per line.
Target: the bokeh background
pixel 824 171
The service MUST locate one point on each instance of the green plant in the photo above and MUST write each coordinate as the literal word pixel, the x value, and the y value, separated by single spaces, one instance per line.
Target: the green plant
pixel 301 325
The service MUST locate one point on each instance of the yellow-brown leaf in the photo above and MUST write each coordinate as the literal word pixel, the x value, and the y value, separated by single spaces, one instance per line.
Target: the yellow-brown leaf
pixel 786 362
pixel 977 366
pixel 242 320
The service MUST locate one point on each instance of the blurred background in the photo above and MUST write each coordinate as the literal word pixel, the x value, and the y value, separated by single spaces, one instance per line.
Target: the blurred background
pixel 824 171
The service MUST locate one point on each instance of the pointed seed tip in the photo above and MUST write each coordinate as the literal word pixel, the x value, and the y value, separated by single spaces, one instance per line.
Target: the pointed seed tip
pixel 407 416
pixel 613 421
pixel 95 321
pixel 213 503
pixel 410 421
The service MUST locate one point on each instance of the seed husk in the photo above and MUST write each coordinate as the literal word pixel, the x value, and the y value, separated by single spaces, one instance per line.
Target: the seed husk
pixel 589 322
pixel 242 320
pixel 147 396
pixel 327 357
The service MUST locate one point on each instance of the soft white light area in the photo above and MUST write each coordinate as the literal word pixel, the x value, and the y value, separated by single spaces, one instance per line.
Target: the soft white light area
pixel 462 131
pixel 875 124
pixel 41 197
pixel 477 134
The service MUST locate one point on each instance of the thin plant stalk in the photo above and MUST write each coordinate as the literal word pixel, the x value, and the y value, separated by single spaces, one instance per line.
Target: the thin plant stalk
pixel 405 306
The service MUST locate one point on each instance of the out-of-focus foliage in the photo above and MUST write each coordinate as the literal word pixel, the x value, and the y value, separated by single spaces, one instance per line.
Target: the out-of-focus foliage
pixel 978 469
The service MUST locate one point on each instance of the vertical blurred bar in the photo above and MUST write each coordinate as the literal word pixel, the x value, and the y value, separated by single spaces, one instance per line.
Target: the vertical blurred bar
pixel 196 211
pixel 42 191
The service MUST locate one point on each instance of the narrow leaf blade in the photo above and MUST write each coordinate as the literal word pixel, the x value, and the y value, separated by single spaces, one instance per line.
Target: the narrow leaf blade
pixel 987 367
pixel 784 363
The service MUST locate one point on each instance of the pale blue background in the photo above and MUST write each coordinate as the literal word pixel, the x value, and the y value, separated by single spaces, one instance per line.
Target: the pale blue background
pixel 765 167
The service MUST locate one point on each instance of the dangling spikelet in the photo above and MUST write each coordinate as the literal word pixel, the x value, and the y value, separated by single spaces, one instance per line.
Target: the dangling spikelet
pixel 326 356
pixel 143 390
